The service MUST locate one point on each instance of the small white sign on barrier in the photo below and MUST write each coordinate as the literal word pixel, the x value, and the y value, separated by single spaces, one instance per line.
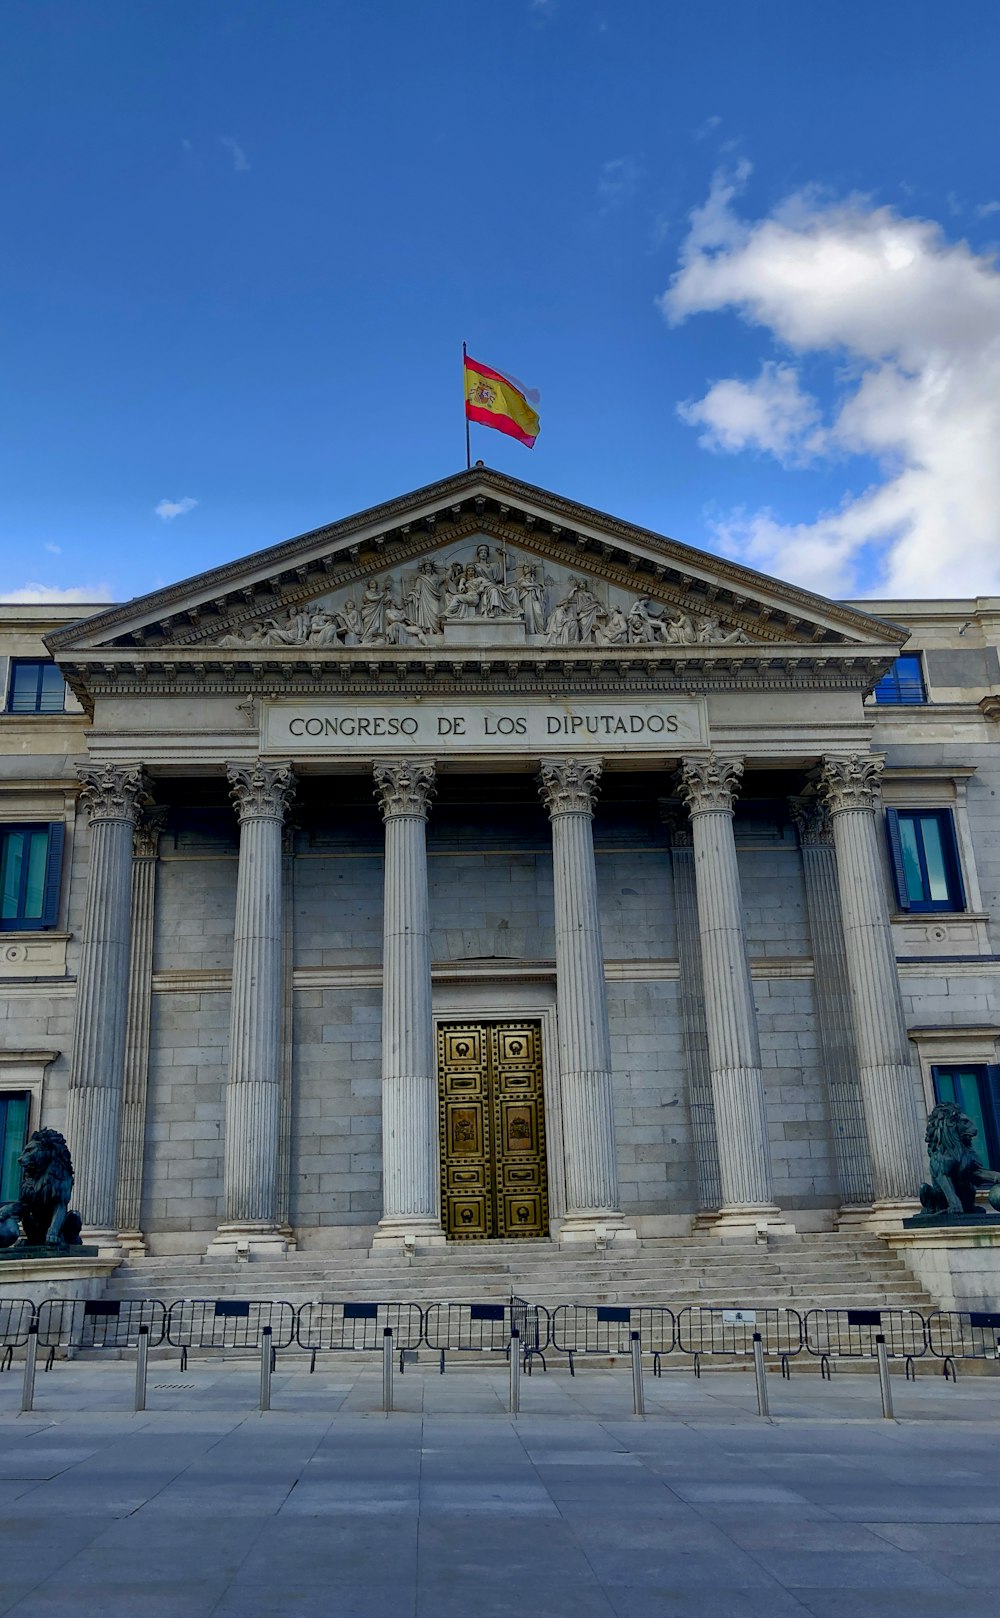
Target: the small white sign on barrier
pixel 739 1317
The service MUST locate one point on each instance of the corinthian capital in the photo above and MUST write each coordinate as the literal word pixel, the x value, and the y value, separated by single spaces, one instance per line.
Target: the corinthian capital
pixel 851 782
pixel 111 791
pixel 710 783
pixel 811 819
pixel 569 786
pixel 405 786
pixel 261 791
pixel 148 826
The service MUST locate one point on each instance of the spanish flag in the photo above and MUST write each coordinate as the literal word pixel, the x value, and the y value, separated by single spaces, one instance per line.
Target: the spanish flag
pixel 495 400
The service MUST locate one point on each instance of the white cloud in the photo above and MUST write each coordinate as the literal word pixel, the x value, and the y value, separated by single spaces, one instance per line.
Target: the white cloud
pixel 912 321
pixel 771 413
pixel 708 127
pixel 169 509
pixel 984 209
pixel 241 162
pixel 618 181
pixel 40 594
pixel 55 549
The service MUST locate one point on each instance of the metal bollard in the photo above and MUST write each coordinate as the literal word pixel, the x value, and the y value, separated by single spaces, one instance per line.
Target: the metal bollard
pixel 515 1371
pixel 30 1356
pixel 761 1376
pixel 883 1377
pixel 265 1369
pixel 387 1369
pixel 141 1363
pixel 638 1397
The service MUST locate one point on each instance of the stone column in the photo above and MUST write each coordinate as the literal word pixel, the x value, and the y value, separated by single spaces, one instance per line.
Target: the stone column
pixel 833 1003
pixel 850 788
pixel 261 793
pixel 148 827
pixel 569 788
pixel 701 1106
pixel 709 787
pixel 411 1192
pixel 111 797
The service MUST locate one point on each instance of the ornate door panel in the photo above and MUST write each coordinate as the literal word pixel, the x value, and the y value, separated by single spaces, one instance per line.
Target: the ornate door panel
pixel 492 1130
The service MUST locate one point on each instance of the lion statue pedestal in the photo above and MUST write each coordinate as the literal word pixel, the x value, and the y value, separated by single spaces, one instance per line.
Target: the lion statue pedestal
pixel 949 1197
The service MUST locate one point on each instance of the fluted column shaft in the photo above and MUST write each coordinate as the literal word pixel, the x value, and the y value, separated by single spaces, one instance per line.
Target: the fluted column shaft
pixel 569 789
pixel 709 786
pixel 140 983
pixel 110 798
pixel 261 793
pixel 850 788
pixel 833 1002
pixel 410 1189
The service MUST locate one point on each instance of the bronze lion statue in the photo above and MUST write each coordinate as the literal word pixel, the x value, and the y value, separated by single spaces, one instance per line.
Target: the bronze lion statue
pixel 956 1171
pixel 43 1205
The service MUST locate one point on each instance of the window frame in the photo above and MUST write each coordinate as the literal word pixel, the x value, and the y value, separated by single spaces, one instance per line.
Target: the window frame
pixel 6 1095
pixel 900 694
pixel 944 815
pixel 39 710
pixel 51 882
pixel 987 1079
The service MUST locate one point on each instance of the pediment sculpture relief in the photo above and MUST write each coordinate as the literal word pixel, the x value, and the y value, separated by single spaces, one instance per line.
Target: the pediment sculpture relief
pixel 481 594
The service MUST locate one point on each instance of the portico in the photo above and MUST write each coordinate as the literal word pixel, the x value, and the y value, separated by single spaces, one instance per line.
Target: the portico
pixel 383 820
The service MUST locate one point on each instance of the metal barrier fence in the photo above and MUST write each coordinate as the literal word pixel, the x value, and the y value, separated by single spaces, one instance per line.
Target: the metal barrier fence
pixel 228 1323
pixel 457 1328
pixel 16 1316
pixel 853 1334
pixel 703 1330
pixel 607 1329
pixel 533 1323
pixel 969 1334
pixel 81 1323
pixel 331 1328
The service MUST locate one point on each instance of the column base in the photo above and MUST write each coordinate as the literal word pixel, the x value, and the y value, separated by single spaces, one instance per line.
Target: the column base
pixel 878 1218
pixel 703 1222
pixel 242 1238
pixel 748 1219
pixel 596 1228
pixel 133 1242
pixel 107 1242
pixel 407 1232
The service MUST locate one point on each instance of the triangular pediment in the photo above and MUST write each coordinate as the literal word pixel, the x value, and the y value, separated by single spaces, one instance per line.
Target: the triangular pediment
pixel 479 563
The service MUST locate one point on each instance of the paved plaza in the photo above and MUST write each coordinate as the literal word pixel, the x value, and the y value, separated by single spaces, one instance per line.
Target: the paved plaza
pixel 451 1508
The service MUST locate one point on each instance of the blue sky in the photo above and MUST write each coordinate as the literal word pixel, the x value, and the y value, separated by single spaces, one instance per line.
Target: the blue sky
pixel 745 251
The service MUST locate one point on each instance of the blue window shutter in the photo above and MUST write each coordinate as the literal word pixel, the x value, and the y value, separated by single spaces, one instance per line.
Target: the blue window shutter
pixel 992 1111
pixel 896 858
pixel 53 874
pixel 951 847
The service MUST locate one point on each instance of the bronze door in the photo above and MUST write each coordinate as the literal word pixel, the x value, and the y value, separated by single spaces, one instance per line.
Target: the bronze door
pixel 492 1130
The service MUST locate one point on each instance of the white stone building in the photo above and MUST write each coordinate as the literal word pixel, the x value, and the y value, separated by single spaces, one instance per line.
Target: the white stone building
pixel 482 865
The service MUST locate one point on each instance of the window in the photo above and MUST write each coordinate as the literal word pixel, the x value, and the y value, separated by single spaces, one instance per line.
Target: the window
pixel 13 1134
pixel 36 686
pixel 925 859
pixel 904 681
pixel 30 866
pixel 976 1089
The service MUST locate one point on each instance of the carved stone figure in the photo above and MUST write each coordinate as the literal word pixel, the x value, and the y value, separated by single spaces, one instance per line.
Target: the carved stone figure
pixel 587 608
pixel 562 628
pixel 349 623
pixel 423 599
pixel 530 595
pixel 461 593
pixel 956 1171
pixel 497 598
pixel 612 630
pixel 43 1205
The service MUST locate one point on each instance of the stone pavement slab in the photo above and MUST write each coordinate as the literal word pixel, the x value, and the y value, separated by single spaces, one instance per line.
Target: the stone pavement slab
pixel 200 1507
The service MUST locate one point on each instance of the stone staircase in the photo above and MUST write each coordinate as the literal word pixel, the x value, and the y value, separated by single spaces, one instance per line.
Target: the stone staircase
pixel 803 1272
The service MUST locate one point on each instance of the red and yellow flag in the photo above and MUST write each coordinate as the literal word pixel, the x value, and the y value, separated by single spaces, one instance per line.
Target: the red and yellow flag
pixel 495 400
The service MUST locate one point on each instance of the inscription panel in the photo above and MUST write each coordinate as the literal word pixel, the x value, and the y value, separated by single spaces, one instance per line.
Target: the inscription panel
pixel 603 725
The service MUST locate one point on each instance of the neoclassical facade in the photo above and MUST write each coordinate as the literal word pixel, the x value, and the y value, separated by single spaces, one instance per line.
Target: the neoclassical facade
pixel 483 867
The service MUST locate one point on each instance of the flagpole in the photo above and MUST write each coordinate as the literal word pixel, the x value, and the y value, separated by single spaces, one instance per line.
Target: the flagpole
pixel 468 448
